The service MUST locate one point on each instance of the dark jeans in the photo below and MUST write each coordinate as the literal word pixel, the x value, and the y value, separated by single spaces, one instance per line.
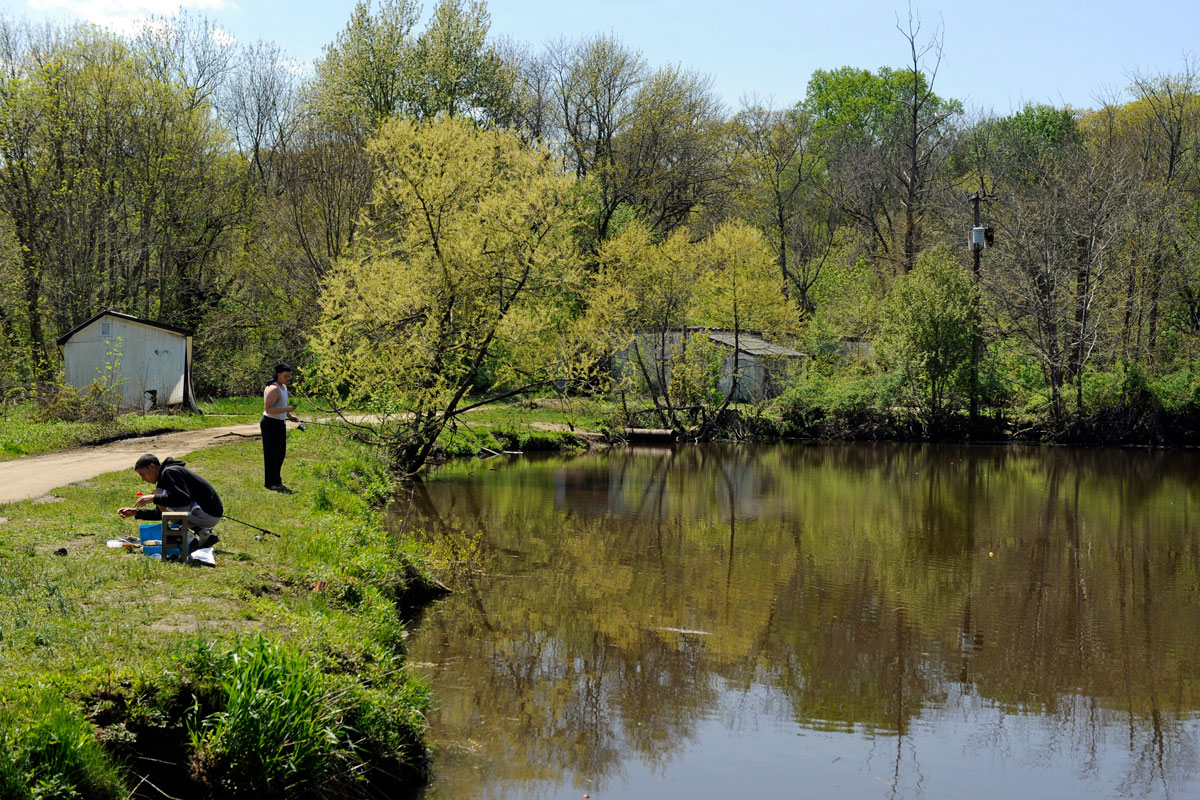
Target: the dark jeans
pixel 274 439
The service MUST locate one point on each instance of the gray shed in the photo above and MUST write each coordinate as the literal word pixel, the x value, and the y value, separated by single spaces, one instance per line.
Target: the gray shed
pixel 760 362
pixel 151 362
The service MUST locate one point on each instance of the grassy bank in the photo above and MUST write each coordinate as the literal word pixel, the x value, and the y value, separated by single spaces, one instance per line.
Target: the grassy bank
pixel 26 430
pixel 536 424
pixel 278 674
pixel 1126 407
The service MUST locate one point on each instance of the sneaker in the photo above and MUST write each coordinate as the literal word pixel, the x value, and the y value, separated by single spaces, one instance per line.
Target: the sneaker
pixel 205 538
pixel 279 487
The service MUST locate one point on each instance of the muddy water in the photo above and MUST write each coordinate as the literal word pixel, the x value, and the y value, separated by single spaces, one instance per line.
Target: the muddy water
pixel 846 621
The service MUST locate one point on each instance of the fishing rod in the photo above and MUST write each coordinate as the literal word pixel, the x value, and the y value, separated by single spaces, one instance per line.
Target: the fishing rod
pixel 248 525
pixel 302 423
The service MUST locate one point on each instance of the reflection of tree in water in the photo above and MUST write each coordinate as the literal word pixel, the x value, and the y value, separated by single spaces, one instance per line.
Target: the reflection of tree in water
pixel 553 695
pixel 1050 595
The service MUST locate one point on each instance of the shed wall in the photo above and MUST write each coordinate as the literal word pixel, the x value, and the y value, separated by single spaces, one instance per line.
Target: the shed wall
pixel 146 358
pixel 759 376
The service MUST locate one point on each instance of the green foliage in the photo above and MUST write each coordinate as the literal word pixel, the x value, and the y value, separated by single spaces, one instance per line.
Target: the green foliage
pixel 351 485
pixel 278 730
pixel 650 295
pixel 859 108
pixel 170 177
pixel 100 146
pixel 1032 140
pixel 854 104
pixel 1038 128
pixel 846 406
pixel 848 297
pixel 467 263
pixel 59 624
pixel 95 404
pixel 695 370
pixel 740 290
pixel 377 69
pixel 49 751
pixel 929 331
pixel 274 723
pixel 470 440
pixel 467 440
pixel 1179 391
pixel 363 75
pixel 456 72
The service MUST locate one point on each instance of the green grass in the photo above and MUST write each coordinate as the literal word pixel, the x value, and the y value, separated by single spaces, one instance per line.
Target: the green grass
pixel 148 649
pixel 582 413
pixel 248 408
pixel 23 433
pixel 273 699
pixel 527 425
pixel 48 749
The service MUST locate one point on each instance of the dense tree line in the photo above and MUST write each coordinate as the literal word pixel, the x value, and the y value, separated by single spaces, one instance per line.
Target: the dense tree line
pixel 223 188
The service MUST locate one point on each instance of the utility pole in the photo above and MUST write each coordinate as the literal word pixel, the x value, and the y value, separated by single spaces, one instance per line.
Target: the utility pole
pixel 980 237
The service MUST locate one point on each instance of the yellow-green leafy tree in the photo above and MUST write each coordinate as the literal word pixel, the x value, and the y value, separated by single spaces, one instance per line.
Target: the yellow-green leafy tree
pixel 459 287
pixel 741 293
pixel 639 304
pixel 651 295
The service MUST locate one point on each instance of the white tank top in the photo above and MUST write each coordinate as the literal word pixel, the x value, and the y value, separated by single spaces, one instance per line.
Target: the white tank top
pixel 283 401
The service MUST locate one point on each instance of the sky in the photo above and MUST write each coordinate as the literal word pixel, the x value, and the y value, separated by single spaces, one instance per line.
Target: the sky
pixel 995 56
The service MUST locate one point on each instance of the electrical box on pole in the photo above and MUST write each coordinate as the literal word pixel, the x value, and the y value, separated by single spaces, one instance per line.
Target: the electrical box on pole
pixel 978 238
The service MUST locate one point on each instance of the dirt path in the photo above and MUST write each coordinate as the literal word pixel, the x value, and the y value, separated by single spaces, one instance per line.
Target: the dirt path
pixel 24 478
pixel 34 476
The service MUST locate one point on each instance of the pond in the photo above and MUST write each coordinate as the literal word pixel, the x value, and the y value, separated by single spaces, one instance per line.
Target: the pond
pixel 850 621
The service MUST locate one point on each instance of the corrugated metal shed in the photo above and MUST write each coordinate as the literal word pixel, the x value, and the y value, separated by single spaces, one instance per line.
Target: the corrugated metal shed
pixel 150 362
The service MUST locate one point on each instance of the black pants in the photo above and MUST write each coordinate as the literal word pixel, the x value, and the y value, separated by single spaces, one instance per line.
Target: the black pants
pixel 274 439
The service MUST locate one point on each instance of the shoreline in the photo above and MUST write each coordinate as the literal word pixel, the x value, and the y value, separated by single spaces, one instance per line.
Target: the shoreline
pixel 139 662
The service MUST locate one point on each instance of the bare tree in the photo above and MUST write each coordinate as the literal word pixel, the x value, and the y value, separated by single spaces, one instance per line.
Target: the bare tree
pixel 778 171
pixel 261 105
pixel 1063 216
pixel 922 135
pixel 190 50
pixel 595 82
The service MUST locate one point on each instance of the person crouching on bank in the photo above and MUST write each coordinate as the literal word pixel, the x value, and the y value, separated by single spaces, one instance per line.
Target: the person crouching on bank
pixel 177 488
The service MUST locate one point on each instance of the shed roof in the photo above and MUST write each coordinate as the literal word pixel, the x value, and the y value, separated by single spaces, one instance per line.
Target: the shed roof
pixel 752 345
pixel 66 337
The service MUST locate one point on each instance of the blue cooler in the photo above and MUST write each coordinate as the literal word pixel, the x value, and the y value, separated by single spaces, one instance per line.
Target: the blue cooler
pixel 148 532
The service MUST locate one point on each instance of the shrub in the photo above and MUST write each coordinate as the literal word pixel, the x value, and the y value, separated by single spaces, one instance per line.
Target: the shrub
pixel 928 335
pixel 352 485
pixel 48 750
pixel 845 406
pixel 272 723
pixel 278 732
pixel 95 403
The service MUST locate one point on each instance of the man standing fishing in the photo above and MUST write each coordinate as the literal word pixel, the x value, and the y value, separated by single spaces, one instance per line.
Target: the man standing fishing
pixel 177 488
pixel 276 412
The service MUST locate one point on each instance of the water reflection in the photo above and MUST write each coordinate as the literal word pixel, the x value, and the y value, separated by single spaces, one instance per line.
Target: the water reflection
pixel 865 621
